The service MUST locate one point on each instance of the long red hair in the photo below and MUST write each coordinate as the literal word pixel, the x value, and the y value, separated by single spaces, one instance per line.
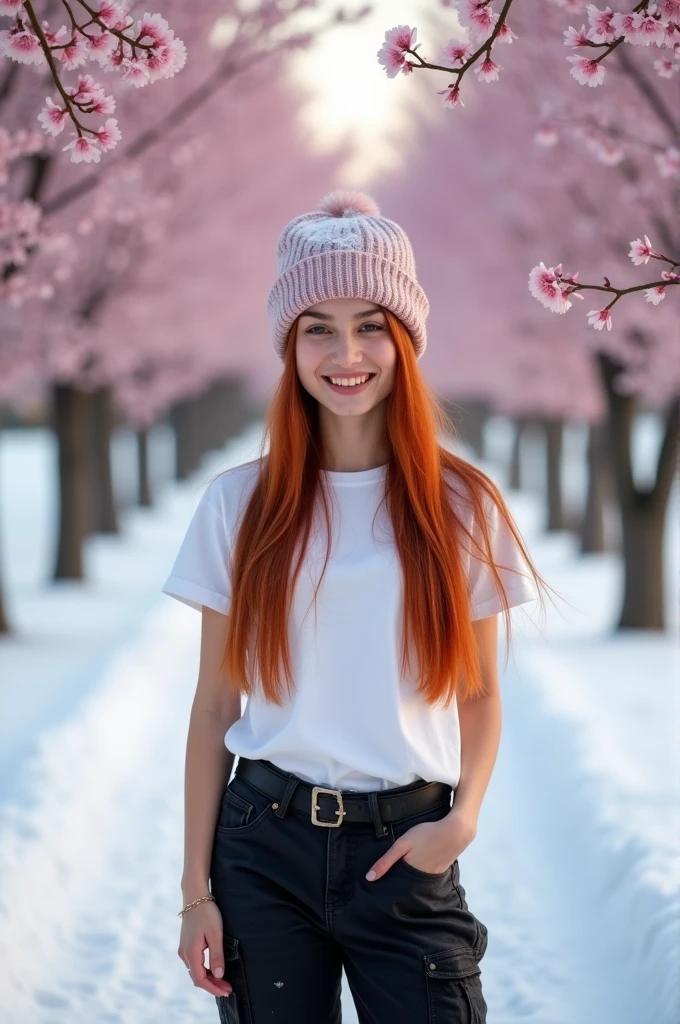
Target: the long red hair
pixel 269 549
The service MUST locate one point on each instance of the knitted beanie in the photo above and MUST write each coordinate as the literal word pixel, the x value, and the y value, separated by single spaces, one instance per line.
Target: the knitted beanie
pixel 345 249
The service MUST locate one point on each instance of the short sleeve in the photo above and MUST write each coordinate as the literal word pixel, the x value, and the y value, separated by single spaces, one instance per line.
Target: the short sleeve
pixel 200 574
pixel 520 589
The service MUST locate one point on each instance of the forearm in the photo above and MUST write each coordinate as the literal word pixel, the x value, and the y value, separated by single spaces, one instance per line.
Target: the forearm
pixel 208 766
pixel 480 732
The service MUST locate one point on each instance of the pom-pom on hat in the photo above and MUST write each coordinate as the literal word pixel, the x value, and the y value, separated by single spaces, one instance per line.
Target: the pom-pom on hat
pixel 345 249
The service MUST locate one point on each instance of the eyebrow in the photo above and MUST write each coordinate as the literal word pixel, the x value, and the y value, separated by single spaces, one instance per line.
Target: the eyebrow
pixel 327 316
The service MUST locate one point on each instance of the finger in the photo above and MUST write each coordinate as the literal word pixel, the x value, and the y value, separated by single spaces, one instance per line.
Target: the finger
pixel 203 978
pixel 216 956
pixel 384 863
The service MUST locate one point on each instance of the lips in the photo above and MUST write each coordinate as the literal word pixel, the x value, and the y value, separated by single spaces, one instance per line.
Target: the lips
pixel 351 389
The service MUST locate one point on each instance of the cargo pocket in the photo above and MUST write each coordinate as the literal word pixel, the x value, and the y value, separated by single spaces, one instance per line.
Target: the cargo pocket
pixel 454 987
pixel 235 1008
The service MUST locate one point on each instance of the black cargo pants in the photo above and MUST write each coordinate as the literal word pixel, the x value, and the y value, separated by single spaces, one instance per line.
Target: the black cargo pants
pixel 296 908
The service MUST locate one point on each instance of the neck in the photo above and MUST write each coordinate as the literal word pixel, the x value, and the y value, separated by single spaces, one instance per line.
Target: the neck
pixel 351 444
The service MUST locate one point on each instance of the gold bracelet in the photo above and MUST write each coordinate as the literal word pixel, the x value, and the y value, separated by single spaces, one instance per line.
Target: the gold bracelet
pixel 195 904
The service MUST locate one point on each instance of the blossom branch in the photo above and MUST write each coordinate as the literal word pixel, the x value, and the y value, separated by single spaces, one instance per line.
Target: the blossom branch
pixel 143 54
pixel 554 289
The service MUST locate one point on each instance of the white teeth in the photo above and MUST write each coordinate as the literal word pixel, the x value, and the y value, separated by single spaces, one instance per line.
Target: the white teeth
pixel 346 382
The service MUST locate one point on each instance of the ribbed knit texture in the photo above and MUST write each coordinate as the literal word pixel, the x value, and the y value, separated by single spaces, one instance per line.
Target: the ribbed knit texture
pixel 345 250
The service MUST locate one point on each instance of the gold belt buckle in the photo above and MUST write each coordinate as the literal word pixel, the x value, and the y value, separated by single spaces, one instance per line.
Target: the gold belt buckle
pixel 315 807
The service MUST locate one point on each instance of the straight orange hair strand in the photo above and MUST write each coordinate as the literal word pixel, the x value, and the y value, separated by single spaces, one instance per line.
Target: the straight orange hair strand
pixel 422 477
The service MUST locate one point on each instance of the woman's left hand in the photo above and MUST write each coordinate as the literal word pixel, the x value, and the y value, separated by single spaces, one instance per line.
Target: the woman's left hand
pixel 431 846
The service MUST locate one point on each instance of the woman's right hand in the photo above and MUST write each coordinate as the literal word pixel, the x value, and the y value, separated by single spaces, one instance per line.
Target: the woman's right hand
pixel 201 930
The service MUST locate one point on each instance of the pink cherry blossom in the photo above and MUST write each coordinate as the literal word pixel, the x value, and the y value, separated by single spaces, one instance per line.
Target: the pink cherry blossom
pixel 153 28
pixel 113 15
pixel 73 55
pixel 544 285
pixel 451 96
pixel 392 60
pixel 505 34
pixel 134 72
pixel 53 38
pixel 649 31
pixel 391 54
pixel 626 25
pixel 546 136
pixel 455 52
pixel 402 37
pixel 104 105
pixel 601 24
pixel 52 117
pixel 587 71
pixel 668 162
pixel 85 89
pixel 640 251
pixel 655 295
pixel 22 46
pixel 481 17
pixel 487 71
pixel 575 37
pixel 599 318
pixel 109 134
pixel 102 46
pixel 10 6
pixel 166 59
pixel 83 149
pixel 664 68
pixel 671 34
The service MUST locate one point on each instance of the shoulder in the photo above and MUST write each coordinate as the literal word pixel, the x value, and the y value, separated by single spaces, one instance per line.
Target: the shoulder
pixel 232 487
pixel 472 493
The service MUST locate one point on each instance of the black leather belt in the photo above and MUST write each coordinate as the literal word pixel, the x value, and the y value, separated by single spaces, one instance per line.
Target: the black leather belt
pixel 337 805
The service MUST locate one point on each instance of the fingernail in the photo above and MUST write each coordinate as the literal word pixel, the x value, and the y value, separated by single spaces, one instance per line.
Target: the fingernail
pixel 370 875
pixel 218 972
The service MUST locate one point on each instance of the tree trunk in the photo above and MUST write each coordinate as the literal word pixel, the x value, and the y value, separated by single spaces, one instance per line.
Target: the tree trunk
pixel 72 423
pixel 143 485
pixel 515 469
pixel 553 474
pixel 468 417
pixel 592 524
pixel 105 516
pixel 643 513
pixel 643 595
pixel 182 424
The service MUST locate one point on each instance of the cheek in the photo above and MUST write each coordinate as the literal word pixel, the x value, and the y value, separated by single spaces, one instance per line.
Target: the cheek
pixel 386 358
pixel 307 360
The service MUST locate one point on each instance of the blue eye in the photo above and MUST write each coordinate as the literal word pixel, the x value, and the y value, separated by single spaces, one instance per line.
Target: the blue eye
pixel 312 330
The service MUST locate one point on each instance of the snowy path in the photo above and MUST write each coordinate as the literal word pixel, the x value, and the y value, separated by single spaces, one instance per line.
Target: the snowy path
pixel 88 925
pixel 578 933
pixel 574 868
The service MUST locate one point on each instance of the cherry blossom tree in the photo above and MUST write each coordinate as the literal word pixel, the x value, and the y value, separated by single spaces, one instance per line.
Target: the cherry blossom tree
pixel 611 34
pixel 180 184
pixel 506 201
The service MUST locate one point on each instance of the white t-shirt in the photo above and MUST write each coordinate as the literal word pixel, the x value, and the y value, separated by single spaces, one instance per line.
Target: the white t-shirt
pixel 352 722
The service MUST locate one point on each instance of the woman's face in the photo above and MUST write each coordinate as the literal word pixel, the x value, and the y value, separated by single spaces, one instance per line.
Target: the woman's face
pixel 345 339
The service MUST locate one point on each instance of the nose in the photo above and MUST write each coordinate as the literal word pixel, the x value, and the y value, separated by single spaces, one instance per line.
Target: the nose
pixel 348 348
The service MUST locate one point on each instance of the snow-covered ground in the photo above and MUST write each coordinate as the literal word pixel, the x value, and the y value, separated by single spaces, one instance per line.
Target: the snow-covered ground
pixel 575 868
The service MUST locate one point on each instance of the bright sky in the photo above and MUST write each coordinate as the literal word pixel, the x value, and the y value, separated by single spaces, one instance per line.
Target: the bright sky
pixel 351 96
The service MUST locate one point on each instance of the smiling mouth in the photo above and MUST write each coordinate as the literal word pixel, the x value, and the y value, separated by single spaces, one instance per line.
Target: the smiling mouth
pixel 349 387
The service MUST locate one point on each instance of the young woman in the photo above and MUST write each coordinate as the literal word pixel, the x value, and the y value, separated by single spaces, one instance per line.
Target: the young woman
pixel 350 581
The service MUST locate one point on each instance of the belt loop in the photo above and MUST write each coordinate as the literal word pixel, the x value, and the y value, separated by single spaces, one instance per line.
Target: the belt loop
pixel 291 785
pixel 380 829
